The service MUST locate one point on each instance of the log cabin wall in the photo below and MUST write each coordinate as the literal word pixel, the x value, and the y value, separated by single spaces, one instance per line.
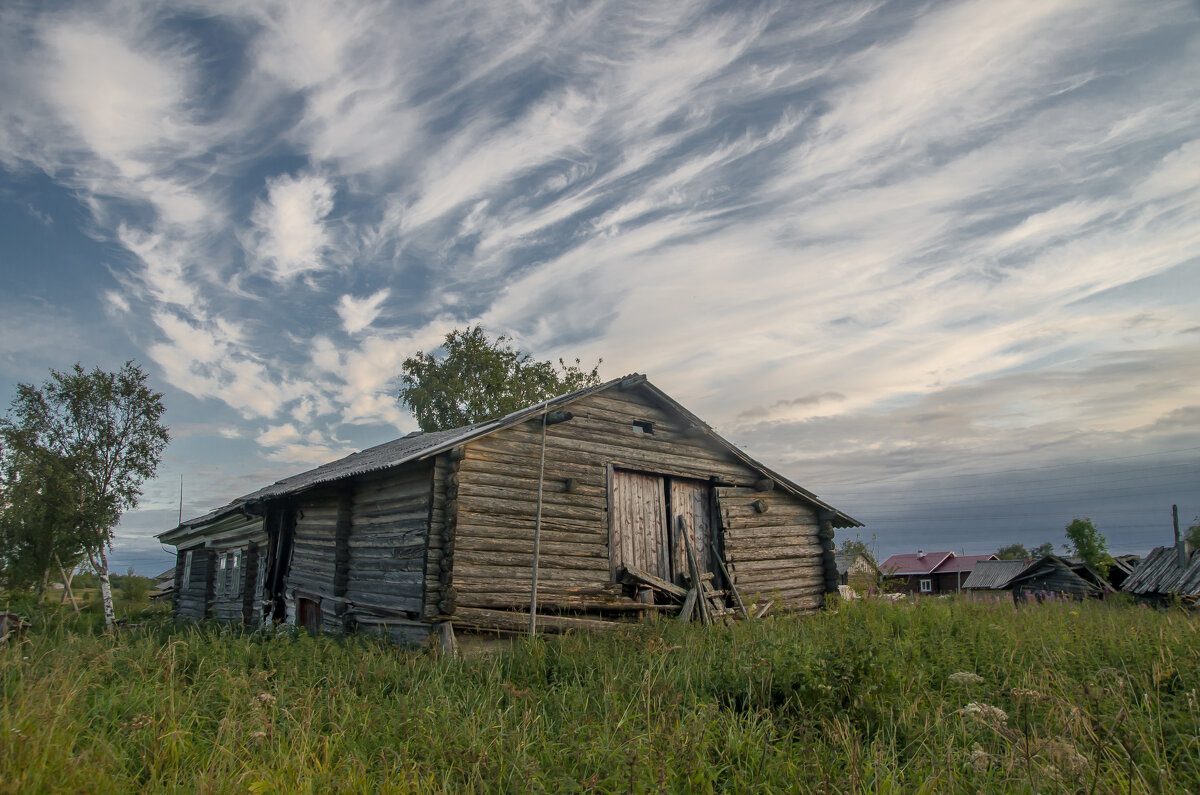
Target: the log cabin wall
pixel 192 589
pixel 310 595
pixel 234 544
pixel 439 550
pixel 773 547
pixel 387 538
pixel 772 552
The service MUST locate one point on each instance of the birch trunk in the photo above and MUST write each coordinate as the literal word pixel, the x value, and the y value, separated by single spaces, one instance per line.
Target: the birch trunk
pixel 110 615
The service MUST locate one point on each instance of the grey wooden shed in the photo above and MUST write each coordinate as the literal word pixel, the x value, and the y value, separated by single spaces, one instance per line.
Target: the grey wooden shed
pixel 454 526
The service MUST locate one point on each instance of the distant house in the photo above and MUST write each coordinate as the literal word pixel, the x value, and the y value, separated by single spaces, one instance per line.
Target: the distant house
pixel 567 499
pixel 1049 575
pixel 856 570
pixel 164 587
pixel 930 572
pixel 1167 573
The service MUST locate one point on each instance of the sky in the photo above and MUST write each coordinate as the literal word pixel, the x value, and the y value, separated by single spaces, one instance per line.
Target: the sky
pixel 938 262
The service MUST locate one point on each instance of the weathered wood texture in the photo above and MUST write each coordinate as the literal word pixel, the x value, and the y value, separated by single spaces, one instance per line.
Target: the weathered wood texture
pixel 388 530
pixel 639 527
pixel 496 504
pixel 437 562
pixel 1052 576
pixel 314 552
pixel 232 588
pixel 692 499
pixel 776 553
pixel 192 597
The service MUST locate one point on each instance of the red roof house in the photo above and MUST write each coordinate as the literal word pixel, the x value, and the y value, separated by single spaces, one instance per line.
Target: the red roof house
pixel 931 572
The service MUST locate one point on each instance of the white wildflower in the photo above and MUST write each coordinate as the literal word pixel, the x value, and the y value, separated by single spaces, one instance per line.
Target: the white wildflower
pixel 985 712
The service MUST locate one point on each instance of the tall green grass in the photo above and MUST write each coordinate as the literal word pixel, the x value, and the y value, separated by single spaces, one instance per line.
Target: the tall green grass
pixel 1070 697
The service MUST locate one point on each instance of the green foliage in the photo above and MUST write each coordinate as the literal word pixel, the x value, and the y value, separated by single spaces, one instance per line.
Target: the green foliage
pixel 1042 550
pixel 1193 535
pixel 1020 552
pixel 100 435
pixel 135 588
pixel 38 494
pixel 1089 545
pixel 1070 697
pixel 859 546
pixel 1012 552
pixel 479 378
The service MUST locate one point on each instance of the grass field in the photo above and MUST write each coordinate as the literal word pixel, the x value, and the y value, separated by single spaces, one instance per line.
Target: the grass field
pixel 941 696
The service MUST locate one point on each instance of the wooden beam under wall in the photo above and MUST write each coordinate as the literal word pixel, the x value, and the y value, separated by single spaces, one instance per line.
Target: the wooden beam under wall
pixel 478 618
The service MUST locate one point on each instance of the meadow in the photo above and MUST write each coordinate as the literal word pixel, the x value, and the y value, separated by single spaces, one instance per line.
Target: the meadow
pixel 939 696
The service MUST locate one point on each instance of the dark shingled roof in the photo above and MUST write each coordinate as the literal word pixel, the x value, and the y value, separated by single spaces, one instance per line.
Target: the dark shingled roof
pixel 419 445
pixel 1160 573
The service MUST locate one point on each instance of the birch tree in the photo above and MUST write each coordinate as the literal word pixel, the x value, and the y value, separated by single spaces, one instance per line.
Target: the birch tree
pixel 107 427
pixel 38 492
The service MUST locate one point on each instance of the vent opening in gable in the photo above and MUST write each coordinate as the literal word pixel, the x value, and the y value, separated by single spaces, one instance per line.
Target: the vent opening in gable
pixel 643 426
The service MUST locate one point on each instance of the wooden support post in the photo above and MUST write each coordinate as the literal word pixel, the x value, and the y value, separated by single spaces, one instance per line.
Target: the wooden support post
pixel 537 535
pixel 689 604
pixel 697 582
pixel 737 597
pixel 445 638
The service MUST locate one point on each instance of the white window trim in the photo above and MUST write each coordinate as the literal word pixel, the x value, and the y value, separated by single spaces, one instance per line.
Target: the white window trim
pixel 235 575
pixel 926 585
pixel 187 571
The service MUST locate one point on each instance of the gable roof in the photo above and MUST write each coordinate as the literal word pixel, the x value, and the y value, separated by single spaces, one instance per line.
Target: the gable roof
pixel 910 563
pixel 995 574
pixel 961 563
pixel 1088 580
pixel 845 560
pixel 417 445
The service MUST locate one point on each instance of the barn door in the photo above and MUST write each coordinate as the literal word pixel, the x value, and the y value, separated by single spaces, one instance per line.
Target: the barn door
pixel 692 500
pixel 639 524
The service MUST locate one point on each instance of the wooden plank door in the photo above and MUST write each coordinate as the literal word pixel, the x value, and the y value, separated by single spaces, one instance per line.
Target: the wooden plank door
pixel 639 524
pixel 692 500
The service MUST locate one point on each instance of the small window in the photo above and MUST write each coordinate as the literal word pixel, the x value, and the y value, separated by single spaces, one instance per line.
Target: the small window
pixel 220 580
pixel 643 426
pixel 235 573
pixel 187 571
pixel 926 586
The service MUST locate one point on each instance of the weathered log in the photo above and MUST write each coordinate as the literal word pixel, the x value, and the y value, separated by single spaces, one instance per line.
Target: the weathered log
pixel 520 560
pixel 550 601
pixel 737 597
pixel 740 553
pixel 784 532
pixel 518 490
pixel 482 573
pixel 593 548
pixel 478 618
pixel 689 604
pixel 639 576
pixel 515 507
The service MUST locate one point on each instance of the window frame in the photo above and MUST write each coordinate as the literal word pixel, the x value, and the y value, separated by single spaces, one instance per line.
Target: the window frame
pixel 926 585
pixel 186 580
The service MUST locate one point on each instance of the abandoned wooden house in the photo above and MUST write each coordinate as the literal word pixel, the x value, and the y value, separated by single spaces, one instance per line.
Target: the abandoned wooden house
pixel 583 510
pixel 1047 576
pixel 1167 574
